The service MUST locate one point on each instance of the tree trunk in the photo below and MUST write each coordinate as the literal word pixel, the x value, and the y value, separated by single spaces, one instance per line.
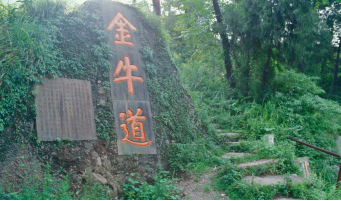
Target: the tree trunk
pixel 301 67
pixel 266 68
pixel 248 73
pixel 226 44
pixel 157 7
pixel 336 70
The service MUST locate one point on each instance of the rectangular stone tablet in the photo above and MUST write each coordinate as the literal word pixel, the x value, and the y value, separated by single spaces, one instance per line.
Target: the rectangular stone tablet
pixel 64 110
pixel 130 96
pixel 134 127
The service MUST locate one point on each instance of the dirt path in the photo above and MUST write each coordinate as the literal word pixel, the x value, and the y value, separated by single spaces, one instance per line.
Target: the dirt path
pixel 199 187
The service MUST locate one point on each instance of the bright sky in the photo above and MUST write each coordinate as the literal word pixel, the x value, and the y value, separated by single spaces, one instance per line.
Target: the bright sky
pixel 82 1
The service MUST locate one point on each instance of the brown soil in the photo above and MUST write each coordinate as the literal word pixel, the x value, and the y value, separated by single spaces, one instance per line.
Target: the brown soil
pixel 199 187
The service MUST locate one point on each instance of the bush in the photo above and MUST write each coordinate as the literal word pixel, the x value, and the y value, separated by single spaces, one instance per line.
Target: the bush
pixel 195 156
pixel 161 189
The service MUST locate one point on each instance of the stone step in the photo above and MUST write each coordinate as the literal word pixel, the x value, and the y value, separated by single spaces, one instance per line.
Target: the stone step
pixel 235 155
pixel 257 163
pixel 287 198
pixel 228 134
pixel 272 179
pixel 231 143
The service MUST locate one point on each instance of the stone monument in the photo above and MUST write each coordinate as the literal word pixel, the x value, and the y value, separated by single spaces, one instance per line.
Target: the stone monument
pixel 134 124
pixel 64 110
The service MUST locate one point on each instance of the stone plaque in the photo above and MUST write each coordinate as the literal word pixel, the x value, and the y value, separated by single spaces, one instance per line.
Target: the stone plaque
pixel 135 134
pixel 133 119
pixel 64 110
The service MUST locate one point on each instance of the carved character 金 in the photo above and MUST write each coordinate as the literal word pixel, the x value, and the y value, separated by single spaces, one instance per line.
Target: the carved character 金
pixel 121 22
pixel 129 77
pixel 137 128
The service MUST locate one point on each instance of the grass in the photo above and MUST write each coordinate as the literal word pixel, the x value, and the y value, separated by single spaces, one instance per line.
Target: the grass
pixel 49 188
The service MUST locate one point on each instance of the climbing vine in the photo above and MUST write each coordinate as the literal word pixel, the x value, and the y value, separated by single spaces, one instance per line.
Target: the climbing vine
pixel 45 39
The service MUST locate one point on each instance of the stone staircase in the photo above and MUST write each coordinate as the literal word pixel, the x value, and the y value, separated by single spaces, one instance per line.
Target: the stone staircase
pixel 261 162
pixel 230 139
pixel 272 179
pixel 229 155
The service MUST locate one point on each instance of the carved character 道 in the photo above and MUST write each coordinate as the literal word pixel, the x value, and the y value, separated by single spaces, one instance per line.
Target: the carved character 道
pixel 137 128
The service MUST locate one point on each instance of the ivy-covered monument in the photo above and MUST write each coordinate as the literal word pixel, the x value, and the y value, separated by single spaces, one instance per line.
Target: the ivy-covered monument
pixel 110 105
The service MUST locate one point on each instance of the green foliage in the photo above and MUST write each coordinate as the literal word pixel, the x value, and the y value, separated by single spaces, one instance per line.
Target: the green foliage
pixel 293 84
pixel 44 188
pixel 44 38
pixel 104 121
pixel 26 48
pixel 174 116
pixel 229 180
pixel 161 189
pixel 194 156
pixel 283 150
pixel 49 188
pixel 93 191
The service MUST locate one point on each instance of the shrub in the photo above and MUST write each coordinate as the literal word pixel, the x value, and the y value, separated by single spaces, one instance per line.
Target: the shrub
pixel 161 189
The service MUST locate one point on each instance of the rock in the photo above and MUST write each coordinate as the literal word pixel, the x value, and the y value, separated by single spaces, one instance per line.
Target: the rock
pixel 100 148
pixel 222 195
pixel 101 101
pixel 269 179
pixel 94 154
pixel 98 162
pixel 101 90
pixel 106 162
pixel 112 185
pixel 257 163
pixel 100 178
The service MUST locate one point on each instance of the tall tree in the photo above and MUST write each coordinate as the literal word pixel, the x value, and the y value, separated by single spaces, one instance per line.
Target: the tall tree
pixel 269 35
pixel 225 42
pixel 332 16
pixel 336 68
pixel 157 7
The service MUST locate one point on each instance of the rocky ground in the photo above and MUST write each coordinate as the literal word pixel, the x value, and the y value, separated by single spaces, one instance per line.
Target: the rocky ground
pixel 199 187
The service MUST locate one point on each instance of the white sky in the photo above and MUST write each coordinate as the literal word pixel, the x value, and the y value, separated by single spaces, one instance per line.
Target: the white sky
pixel 82 1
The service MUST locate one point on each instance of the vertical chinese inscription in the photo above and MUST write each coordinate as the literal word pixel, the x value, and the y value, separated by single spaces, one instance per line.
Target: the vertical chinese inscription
pixel 64 110
pixel 133 116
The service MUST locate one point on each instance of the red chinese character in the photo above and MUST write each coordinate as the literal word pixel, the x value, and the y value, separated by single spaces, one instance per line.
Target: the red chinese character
pixel 121 22
pixel 137 128
pixel 129 77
